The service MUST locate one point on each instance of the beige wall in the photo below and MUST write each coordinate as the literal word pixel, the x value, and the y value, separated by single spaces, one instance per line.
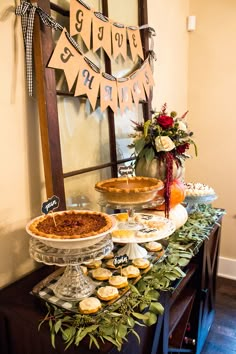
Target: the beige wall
pixel 211 98
pixel 20 179
pixel 200 79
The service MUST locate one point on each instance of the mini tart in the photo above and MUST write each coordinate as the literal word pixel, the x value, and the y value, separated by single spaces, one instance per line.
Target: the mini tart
pixel 107 293
pixel 141 263
pixel 121 217
pixel 130 271
pixel 90 305
pixel 118 281
pixel 123 233
pixel 101 273
pixel 109 256
pixel 159 225
pixel 110 264
pixel 84 269
pixel 70 224
pixel 129 190
pixel 94 264
pixel 147 232
pixel 153 246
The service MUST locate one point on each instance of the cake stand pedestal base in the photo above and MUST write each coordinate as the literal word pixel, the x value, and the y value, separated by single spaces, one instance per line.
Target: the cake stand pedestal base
pixel 133 250
pixel 73 285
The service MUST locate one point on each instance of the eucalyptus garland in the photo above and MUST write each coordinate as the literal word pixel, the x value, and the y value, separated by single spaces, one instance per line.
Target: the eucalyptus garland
pixel 141 306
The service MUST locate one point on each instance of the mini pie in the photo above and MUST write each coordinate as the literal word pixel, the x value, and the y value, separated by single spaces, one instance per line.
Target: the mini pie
pixel 118 281
pixel 70 224
pixel 101 273
pixel 141 263
pixel 147 232
pixel 110 264
pixel 84 269
pixel 123 233
pixel 107 293
pixel 90 305
pixel 109 256
pixel 129 190
pixel 130 271
pixel 94 264
pixel 153 246
pixel 121 216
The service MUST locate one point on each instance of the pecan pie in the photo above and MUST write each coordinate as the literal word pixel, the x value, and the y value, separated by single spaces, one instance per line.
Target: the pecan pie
pixel 127 190
pixel 71 224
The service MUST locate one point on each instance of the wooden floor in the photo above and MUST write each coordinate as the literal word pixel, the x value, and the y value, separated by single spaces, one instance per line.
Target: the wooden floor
pixel 222 336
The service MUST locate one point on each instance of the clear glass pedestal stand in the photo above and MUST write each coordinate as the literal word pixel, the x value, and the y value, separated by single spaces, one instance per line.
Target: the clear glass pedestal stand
pixel 192 202
pixel 73 284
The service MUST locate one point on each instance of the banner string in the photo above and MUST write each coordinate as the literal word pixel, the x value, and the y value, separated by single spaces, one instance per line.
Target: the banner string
pixel 27 12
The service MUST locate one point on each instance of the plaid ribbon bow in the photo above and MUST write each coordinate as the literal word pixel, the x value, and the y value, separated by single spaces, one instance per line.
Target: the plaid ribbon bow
pixel 27 12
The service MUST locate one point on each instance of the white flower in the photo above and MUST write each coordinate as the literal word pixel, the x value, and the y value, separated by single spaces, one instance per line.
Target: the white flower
pixel 182 125
pixel 164 143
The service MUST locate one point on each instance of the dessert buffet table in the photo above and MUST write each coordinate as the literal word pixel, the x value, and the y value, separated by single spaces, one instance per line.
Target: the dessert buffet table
pixel 188 300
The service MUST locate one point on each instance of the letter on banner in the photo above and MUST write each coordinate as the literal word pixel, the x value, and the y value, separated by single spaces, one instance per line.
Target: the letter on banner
pixel 135 43
pixel 80 21
pixel 108 94
pixel 137 88
pixel 124 94
pixel 66 57
pixel 147 77
pixel 101 35
pixel 88 83
pixel 119 41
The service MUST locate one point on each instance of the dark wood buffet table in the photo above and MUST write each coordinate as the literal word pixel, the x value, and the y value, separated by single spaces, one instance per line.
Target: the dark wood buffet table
pixel 189 312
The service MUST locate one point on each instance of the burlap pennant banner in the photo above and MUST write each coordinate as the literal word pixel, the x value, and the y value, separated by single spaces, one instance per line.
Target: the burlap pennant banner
pixel 101 35
pixel 81 21
pixel 105 33
pixel 88 83
pixel 124 94
pixel 108 94
pixel 135 42
pixel 114 93
pixel 67 58
pixel 119 41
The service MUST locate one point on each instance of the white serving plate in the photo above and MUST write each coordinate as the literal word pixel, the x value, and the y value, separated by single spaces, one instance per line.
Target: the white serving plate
pixel 166 231
pixel 71 243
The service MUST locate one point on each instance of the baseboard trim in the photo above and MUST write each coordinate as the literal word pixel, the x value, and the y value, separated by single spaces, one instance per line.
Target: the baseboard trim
pixel 227 268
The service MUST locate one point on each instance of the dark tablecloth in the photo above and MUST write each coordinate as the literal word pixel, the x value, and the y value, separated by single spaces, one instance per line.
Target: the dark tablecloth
pixel 21 313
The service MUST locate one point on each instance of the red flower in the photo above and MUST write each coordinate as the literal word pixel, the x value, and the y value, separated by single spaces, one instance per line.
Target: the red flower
pixel 181 148
pixel 165 121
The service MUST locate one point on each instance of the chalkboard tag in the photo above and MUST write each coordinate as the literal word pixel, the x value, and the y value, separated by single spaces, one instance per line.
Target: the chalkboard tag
pixel 120 260
pixel 126 170
pixel 51 204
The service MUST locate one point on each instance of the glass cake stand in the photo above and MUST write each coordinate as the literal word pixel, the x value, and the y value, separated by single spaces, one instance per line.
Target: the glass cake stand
pixel 73 285
pixel 192 202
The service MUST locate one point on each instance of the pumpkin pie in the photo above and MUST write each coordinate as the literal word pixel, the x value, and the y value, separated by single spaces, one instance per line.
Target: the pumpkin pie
pixel 129 190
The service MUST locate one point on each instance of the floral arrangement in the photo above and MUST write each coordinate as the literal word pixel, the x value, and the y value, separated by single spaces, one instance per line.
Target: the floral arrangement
pixel 166 138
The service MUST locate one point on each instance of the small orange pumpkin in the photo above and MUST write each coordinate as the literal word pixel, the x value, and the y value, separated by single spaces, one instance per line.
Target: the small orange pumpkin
pixel 177 194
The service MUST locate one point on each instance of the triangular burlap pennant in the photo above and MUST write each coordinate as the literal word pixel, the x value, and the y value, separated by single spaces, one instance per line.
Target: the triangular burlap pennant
pixel 146 77
pixel 124 94
pixel 101 35
pixel 67 58
pixel 88 83
pixel 108 94
pixel 135 42
pixel 137 88
pixel 80 21
pixel 119 41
